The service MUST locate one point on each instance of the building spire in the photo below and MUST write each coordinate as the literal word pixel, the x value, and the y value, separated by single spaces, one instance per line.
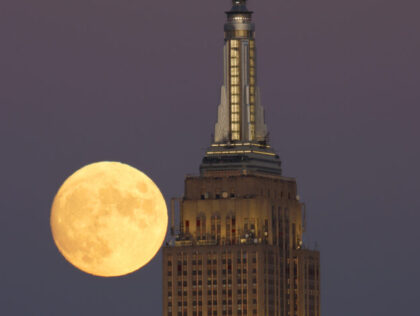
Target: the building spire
pixel 241 116
pixel 239 6
pixel 240 136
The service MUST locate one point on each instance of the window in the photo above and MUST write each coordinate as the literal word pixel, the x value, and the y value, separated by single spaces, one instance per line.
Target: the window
pixel 235 108
pixel 234 98
pixel 235 127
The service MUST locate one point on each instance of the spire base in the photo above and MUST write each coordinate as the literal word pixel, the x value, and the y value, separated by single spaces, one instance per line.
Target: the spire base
pixel 244 157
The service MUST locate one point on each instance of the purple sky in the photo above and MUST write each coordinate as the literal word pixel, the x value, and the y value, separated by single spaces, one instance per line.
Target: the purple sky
pixel 139 82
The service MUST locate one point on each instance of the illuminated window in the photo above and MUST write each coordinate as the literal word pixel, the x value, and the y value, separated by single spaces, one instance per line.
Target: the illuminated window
pixel 235 127
pixel 234 80
pixel 234 98
pixel 234 71
pixel 241 33
pixel 234 90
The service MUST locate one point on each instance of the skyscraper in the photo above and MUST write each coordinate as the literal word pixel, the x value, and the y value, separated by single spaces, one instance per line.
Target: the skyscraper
pixel 238 247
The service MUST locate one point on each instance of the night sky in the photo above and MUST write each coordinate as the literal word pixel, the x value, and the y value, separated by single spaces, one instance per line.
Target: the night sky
pixel 139 82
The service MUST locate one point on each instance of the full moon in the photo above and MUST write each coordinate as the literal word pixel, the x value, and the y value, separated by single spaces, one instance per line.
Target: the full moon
pixel 109 219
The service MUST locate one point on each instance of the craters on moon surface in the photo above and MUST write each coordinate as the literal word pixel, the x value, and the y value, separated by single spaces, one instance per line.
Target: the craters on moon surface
pixel 109 219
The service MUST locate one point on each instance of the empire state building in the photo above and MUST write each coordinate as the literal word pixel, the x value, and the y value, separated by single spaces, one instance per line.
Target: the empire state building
pixel 238 247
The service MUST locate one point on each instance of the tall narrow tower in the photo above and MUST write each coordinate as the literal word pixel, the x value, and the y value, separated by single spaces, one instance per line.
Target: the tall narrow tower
pixel 238 248
pixel 240 136
pixel 241 117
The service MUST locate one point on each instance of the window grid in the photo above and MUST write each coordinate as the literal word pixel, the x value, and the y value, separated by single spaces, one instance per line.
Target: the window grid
pixel 252 88
pixel 235 90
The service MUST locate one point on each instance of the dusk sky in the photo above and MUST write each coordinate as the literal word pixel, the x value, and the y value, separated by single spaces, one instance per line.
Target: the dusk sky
pixel 139 82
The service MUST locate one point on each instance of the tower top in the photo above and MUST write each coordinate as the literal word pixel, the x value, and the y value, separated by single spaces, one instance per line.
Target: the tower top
pixel 241 138
pixel 238 6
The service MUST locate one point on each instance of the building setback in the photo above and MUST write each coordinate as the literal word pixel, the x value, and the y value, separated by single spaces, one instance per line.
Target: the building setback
pixel 238 247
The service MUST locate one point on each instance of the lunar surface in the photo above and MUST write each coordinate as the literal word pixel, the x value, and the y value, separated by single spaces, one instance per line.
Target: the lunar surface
pixel 109 219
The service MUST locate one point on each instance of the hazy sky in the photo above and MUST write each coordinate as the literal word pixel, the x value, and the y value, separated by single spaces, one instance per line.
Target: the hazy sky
pixel 139 82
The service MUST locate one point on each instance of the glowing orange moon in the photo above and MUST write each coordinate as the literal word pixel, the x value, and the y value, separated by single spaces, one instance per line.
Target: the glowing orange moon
pixel 109 219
